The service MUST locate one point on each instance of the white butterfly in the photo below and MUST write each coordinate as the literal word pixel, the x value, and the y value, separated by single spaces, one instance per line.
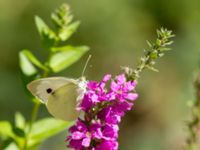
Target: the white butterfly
pixel 59 94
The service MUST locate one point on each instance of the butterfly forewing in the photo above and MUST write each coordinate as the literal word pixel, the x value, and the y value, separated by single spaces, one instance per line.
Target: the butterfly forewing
pixel 43 88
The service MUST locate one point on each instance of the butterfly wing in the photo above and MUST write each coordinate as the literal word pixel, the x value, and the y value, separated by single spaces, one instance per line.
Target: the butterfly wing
pixel 43 88
pixel 62 103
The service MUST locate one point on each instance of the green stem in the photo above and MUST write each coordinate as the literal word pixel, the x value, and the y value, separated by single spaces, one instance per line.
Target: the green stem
pixel 34 114
pixel 33 118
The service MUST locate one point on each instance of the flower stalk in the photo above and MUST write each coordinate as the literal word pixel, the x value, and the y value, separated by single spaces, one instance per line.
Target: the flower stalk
pixel 151 54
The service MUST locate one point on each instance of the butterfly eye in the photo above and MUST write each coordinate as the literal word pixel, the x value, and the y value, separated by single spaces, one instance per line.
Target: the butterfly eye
pixel 49 90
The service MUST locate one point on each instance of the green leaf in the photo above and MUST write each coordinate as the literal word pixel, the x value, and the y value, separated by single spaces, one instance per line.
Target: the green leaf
pixel 158 42
pixel 152 68
pixel 6 132
pixel 154 55
pixel 6 129
pixel 48 36
pixel 27 79
pixel 45 128
pixel 12 146
pixel 19 132
pixel 34 60
pixel 149 44
pixel 28 71
pixel 67 31
pixel 6 143
pixel 62 16
pixel 66 56
pixel 19 120
pixel 26 66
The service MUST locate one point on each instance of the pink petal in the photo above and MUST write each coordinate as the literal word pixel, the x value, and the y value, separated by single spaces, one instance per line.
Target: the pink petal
pixel 106 78
pixel 77 135
pixel 94 98
pixel 121 79
pixel 130 85
pixel 132 96
pixel 86 142
pixel 114 86
pixel 98 134
pixel 92 85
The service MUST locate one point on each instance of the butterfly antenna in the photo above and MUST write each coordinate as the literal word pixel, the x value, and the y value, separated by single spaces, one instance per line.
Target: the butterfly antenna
pixel 86 64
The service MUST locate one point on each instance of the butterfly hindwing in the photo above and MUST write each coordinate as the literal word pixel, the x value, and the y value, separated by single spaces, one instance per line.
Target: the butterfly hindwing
pixel 62 103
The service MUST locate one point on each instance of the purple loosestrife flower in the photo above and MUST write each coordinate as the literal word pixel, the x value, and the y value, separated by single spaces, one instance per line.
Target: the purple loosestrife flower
pixel 122 89
pixel 103 109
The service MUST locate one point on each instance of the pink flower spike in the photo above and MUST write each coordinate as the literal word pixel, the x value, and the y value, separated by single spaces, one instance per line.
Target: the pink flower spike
pixel 99 130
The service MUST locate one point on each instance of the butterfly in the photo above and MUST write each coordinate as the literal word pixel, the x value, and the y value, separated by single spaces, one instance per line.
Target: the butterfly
pixel 59 94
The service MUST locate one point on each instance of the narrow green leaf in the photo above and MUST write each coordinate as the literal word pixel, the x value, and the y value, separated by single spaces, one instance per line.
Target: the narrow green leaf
pixel 62 16
pixel 67 31
pixel 149 44
pixel 66 56
pixel 19 120
pixel 33 59
pixel 152 68
pixel 45 128
pixel 28 71
pixel 26 66
pixel 48 36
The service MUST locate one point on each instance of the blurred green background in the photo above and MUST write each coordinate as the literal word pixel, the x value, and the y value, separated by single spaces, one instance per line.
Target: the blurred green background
pixel 116 31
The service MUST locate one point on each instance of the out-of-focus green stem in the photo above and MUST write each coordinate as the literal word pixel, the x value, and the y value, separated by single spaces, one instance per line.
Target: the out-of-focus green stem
pixel 193 124
pixel 34 113
pixel 33 118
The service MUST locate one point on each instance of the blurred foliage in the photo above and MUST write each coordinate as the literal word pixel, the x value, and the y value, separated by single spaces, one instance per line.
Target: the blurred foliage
pixel 116 32
pixel 192 139
pixel 27 135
